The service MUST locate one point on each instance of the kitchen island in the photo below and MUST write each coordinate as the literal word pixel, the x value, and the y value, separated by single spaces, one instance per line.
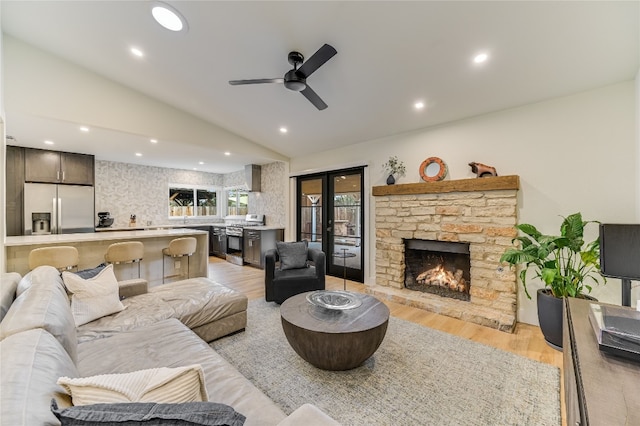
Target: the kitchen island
pixel 93 246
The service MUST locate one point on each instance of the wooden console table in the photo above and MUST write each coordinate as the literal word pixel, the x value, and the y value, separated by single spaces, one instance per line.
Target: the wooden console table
pixel 600 389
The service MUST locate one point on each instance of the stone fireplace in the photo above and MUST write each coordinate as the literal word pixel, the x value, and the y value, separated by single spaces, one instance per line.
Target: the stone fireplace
pixel 416 265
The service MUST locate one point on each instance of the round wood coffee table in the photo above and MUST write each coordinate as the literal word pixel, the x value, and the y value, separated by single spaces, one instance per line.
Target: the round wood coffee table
pixel 334 339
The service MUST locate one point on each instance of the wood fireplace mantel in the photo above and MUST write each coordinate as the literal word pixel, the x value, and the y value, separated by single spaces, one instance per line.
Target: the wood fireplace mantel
pixel 460 185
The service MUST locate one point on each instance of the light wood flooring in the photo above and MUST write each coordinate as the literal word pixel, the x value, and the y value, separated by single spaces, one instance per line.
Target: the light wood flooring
pixel 527 340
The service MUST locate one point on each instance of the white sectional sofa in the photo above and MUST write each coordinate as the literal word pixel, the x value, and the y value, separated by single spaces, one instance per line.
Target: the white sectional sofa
pixel 169 326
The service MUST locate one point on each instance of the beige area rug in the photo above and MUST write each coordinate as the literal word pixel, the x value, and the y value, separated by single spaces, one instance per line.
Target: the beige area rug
pixel 418 376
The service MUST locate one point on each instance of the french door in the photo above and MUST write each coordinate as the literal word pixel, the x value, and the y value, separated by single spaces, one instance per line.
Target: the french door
pixel 330 216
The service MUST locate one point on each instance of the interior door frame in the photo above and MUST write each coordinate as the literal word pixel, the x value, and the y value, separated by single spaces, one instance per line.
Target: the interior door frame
pixel 334 265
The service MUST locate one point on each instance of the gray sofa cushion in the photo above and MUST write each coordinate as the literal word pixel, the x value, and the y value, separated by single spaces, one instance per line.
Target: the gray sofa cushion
pixel 292 255
pixel 195 302
pixel 31 363
pixel 149 414
pixel 170 343
pixel 199 301
pixel 42 274
pixel 44 304
pixel 295 274
pixel 8 285
pixel 139 311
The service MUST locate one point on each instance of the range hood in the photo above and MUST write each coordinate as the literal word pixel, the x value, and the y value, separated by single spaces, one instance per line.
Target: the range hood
pixel 252 176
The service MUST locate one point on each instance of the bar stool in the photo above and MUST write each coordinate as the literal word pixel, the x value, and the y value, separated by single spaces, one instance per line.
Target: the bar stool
pixel 60 257
pixel 126 252
pixel 179 247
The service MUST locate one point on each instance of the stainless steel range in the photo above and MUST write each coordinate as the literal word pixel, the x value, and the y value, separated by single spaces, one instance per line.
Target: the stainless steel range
pixel 235 231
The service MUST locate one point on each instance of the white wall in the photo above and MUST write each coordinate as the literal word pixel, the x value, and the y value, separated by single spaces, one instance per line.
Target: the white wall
pixel 574 153
pixel 44 85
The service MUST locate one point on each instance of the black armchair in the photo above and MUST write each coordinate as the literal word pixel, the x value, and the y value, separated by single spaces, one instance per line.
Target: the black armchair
pixel 280 285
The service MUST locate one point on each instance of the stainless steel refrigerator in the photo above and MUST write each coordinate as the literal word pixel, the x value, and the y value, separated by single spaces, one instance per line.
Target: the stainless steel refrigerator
pixel 58 209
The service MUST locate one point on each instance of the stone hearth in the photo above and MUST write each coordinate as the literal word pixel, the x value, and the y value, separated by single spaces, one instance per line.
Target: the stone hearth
pixel 481 212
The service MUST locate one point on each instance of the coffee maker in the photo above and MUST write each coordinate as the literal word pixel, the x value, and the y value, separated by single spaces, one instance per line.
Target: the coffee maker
pixel 104 220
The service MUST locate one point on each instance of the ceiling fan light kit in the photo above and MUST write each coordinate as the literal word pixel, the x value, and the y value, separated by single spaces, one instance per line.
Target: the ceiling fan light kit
pixel 296 79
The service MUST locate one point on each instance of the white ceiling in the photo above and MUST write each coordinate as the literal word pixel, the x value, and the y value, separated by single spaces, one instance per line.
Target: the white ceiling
pixel 390 54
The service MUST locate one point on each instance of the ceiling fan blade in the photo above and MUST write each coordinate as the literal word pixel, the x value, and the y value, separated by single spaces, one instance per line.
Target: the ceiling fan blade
pixel 314 98
pixel 256 81
pixel 323 54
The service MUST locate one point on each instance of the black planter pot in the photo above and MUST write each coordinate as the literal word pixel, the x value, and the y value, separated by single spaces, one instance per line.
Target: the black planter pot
pixel 391 180
pixel 550 317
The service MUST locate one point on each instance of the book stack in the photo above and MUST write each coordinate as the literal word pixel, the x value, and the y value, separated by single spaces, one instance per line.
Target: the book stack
pixel 617 330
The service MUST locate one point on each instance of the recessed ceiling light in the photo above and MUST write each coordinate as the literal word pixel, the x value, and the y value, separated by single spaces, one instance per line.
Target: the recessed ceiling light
pixel 480 58
pixel 84 129
pixel 195 168
pixel 201 162
pixel 418 105
pixel 137 52
pixel 168 17
pixel 283 130
pixel 138 154
pixel 227 153
pixel 153 140
pixel 48 142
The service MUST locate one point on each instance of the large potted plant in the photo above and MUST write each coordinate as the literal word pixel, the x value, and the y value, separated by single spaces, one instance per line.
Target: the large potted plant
pixel 565 263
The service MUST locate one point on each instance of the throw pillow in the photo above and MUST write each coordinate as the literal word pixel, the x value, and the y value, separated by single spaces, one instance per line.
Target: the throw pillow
pixel 92 272
pixel 161 385
pixel 149 414
pixel 93 298
pixel 292 255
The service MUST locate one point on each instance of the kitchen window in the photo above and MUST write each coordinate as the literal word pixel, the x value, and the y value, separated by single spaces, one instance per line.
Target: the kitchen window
pixel 237 202
pixel 192 201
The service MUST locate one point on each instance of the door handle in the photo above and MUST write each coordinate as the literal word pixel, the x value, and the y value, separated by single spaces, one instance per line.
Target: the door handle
pixel 53 226
pixel 328 229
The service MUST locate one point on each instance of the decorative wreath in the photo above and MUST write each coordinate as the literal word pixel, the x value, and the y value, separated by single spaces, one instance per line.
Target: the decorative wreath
pixel 441 173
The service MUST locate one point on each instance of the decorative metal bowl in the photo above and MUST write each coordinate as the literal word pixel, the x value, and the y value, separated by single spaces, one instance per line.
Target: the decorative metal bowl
pixel 334 299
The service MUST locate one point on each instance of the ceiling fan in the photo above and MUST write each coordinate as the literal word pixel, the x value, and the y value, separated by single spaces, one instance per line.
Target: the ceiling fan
pixel 296 79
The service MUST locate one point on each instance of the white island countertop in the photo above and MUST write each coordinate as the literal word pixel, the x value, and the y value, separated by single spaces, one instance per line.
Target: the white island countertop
pixel 27 240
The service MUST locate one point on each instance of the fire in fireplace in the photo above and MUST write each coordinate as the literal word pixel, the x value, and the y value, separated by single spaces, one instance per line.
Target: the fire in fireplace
pixel 438 267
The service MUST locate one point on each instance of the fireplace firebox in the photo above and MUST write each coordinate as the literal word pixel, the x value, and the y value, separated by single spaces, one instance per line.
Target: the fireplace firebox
pixel 438 267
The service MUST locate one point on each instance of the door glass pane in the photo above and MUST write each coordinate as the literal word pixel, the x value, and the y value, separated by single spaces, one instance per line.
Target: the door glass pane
pixel 347 216
pixel 311 212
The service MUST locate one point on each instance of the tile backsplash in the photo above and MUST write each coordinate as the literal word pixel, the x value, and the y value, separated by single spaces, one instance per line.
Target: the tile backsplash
pixel 125 189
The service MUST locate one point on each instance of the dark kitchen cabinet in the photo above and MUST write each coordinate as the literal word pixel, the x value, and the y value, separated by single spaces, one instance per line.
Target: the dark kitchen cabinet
pixel 58 167
pixel 257 242
pixel 218 241
pixel 251 251
pixel 14 189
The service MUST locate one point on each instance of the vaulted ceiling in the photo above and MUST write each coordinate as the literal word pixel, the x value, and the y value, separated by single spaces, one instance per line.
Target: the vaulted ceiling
pixel 391 54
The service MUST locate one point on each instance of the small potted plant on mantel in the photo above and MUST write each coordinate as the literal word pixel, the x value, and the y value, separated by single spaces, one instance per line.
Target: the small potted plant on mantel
pixel 564 263
pixel 395 168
